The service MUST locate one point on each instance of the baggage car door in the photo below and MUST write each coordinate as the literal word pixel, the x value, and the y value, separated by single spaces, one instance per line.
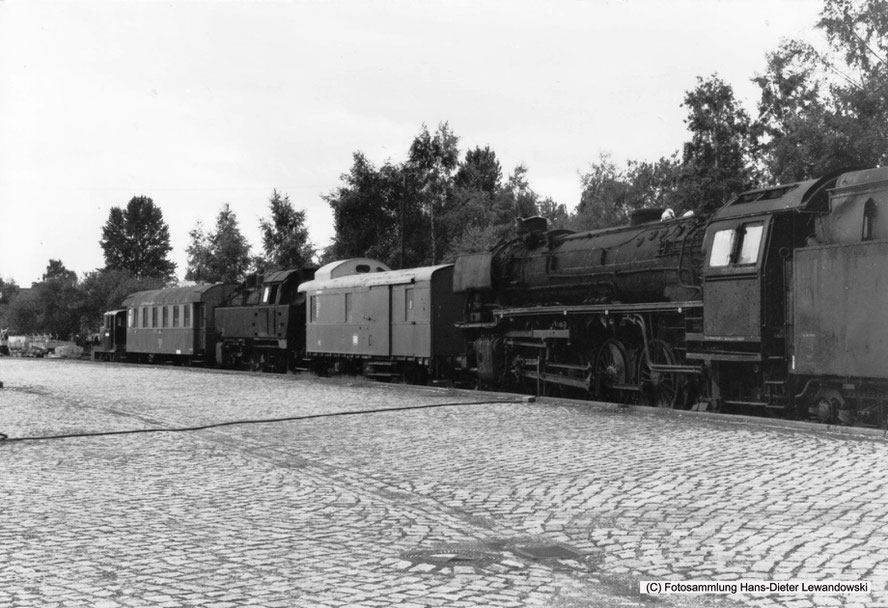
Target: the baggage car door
pixel 199 327
pixel 379 321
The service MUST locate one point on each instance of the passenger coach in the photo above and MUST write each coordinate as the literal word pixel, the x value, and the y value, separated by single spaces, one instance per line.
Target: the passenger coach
pixel 175 324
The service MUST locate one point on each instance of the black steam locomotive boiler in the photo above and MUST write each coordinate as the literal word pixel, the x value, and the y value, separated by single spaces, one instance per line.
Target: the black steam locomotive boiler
pixel 605 311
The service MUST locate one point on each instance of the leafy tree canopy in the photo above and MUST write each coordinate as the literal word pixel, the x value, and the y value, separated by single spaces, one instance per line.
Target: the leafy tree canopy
pixel 432 207
pixel 56 271
pixel 222 255
pixel 50 306
pixel 717 162
pixel 372 209
pixel 431 162
pixel 136 239
pixel 823 109
pixel 285 236
pixel 106 289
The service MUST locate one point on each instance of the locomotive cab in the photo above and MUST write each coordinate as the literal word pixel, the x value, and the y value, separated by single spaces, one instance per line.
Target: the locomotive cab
pixel 746 335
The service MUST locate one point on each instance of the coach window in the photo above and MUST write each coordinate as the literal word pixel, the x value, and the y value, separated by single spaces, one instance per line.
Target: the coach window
pixel 722 245
pixel 176 316
pixel 313 308
pixel 154 316
pixel 186 317
pixel 144 316
pixel 129 316
pixel 348 307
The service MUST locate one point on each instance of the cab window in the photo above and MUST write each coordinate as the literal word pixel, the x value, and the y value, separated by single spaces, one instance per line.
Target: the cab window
pixel 722 246
pixel 750 239
pixel 269 294
pixel 736 246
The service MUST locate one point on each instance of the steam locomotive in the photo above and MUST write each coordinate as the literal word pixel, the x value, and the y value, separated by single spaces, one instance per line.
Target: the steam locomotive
pixel 775 303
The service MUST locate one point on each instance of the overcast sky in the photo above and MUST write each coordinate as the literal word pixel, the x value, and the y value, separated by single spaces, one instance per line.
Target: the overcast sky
pixel 197 104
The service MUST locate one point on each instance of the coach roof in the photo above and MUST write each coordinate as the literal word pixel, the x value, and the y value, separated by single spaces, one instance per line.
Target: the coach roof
pixel 341 268
pixel 373 279
pixel 172 295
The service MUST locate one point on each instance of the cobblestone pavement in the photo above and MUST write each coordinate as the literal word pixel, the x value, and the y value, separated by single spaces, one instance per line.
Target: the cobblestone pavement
pixel 495 504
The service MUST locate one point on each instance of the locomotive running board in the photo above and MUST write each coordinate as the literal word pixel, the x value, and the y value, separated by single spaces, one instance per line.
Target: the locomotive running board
pixel 605 309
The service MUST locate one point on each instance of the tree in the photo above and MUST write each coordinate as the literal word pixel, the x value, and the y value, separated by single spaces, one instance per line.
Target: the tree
pixel 373 209
pixel 8 292
pixel 136 239
pixel 656 184
pixel 555 213
pixel 483 217
pixel 826 110
pixel 432 207
pixel 603 201
pixel 51 306
pixel 479 171
pixel 219 256
pixel 106 289
pixel 717 162
pixel 285 236
pixel 431 162
pixel 470 220
pixel 56 271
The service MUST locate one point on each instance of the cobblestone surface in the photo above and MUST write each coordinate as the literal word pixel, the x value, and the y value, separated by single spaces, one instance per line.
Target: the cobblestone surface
pixel 518 504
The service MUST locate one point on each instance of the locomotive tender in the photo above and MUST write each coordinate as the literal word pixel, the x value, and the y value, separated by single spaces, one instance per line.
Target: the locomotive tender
pixel 777 302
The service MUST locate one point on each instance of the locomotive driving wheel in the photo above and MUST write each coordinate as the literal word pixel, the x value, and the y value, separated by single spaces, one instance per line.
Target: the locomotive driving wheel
pixel 611 369
pixel 658 388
